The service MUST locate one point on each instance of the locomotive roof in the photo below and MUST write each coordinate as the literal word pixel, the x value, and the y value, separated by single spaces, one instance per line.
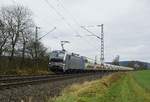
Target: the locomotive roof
pixel 70 53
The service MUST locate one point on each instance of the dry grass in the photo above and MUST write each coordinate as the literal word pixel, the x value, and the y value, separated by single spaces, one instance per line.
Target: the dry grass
pixel 118 87
pixel 89 89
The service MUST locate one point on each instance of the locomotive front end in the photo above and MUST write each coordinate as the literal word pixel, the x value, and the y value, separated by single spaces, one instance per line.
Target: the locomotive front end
pixel 56 61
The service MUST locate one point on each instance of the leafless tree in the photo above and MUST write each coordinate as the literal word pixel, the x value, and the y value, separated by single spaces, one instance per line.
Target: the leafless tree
pixel 41 50
pixel 3 37
pixel 25 38
pixel 19 20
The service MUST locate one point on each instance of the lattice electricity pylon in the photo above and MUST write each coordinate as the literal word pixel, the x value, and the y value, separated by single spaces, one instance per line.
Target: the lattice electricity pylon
pixel 102 44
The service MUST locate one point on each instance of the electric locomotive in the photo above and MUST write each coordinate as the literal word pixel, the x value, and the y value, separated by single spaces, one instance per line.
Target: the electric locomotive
pixel 62 61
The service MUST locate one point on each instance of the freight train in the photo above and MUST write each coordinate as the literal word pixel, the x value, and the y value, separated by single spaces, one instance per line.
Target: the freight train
pixel 61 61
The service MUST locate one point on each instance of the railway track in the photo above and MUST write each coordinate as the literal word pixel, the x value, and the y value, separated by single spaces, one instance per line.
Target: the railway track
pixel 13 76
pixel 16 81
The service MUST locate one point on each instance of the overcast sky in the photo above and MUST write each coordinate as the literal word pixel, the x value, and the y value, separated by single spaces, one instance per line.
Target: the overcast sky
pixel 126 25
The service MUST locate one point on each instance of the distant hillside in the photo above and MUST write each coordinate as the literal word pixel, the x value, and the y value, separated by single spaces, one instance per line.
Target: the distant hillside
pixel 134 63
pixel 124 63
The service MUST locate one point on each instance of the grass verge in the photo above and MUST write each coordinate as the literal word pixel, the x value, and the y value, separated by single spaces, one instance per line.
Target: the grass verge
pixel 118 87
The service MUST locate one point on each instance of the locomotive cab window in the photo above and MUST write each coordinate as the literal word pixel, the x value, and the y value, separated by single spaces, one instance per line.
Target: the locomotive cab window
pixel 57 56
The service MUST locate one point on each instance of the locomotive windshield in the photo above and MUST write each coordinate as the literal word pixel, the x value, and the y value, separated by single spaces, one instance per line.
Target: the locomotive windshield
pixel 57 56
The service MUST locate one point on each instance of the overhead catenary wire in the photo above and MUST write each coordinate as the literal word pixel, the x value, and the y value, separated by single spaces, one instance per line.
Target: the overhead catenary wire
pixel 72 17
pixel 47 33
pixel 61 16
pixel 93 34
pixel 67 11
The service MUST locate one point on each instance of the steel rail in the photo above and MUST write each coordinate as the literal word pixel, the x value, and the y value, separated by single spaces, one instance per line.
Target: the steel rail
pixel 24 81
pixel 10 76
pixel 24 78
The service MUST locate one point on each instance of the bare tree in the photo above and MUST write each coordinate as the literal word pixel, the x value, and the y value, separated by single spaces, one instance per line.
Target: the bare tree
pixel 18 19
pixel 3 37
pixel 25 38
pixel 41 51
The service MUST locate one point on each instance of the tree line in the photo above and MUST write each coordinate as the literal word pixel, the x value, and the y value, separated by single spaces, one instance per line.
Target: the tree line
pixel 17 38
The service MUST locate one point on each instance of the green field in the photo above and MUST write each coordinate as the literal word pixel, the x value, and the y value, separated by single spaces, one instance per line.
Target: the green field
pixel 119 87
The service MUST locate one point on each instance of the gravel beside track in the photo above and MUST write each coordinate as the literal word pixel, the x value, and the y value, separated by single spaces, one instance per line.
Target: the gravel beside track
pixel 42 91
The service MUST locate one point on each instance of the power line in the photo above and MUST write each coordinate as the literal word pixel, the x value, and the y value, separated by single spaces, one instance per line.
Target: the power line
pixel 61 16
pixel 93 34
pixel 47 33
pixel 67 11
pixel 73 18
